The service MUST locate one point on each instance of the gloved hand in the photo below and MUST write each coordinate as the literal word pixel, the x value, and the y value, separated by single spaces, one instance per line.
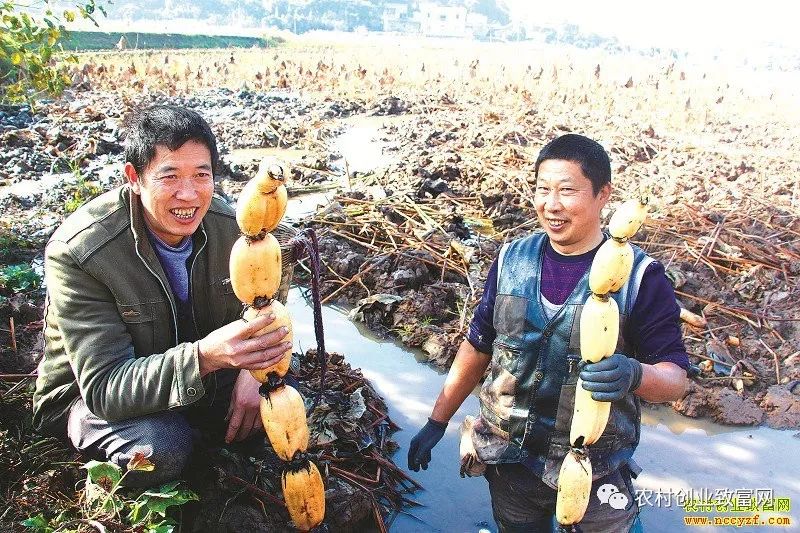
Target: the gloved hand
pixel 612 378
pixel 419 453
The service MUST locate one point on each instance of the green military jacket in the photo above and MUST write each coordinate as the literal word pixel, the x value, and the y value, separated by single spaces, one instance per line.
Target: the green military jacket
pixel 110 316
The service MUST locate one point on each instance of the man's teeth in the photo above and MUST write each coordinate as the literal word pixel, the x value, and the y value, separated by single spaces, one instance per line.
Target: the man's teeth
pixel 183 213
pixel 557 223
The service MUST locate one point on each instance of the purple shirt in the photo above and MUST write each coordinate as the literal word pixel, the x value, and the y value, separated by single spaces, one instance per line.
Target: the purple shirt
pixel 652 329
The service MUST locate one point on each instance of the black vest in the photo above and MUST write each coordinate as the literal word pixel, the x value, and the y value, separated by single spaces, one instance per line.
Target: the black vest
pixel 527 400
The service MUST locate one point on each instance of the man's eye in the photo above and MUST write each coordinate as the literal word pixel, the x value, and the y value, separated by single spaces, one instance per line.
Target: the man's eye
pixel 169 177
pixel 204 175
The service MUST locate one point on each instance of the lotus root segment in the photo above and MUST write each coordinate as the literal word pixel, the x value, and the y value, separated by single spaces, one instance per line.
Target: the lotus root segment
pixel 611 267
pixel 255 268
pixel 589 417
pixel 599 328
pixel 282 318
pixel 284 416
pixel 574 488
pixel 304 495
pixel 260 207
pixel 471 464
pixel 627 219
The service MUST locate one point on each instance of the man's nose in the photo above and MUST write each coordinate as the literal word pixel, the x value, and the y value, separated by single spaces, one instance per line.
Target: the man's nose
pixel 187 190
pixel 553 201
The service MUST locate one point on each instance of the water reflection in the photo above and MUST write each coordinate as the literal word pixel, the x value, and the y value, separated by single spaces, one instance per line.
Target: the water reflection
pixel 680 456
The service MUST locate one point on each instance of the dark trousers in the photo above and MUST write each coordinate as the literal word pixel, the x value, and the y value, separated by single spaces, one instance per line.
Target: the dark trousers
pixel 166 438
pixel 521 502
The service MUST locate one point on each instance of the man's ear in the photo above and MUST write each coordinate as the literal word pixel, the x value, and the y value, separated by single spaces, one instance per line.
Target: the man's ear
pixel 605 193
pixel 134 180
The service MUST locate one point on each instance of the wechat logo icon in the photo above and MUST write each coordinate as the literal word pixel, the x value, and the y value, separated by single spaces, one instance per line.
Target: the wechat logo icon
pixel 611 495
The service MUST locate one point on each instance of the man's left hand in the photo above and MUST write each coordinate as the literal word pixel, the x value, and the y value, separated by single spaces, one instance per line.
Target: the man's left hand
pixel 244 415
pixel 612 378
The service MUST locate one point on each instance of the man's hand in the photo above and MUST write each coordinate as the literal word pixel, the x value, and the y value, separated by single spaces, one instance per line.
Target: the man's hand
pixel 244 416
pixel 235 346
pixel 612 378
pixel 419 453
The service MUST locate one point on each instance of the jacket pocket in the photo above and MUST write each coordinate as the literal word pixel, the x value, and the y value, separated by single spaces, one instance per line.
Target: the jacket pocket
pixel 139 320
pixel 223 304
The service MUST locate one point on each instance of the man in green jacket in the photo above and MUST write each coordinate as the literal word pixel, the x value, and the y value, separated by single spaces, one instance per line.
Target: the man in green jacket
pixel 143 342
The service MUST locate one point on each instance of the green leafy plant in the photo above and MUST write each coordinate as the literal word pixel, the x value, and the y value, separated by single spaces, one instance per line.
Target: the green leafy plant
pixel 105 498
pixel 82 192
pixel 403 330
pixel 38 523
pixel 31 56
pixel 18 278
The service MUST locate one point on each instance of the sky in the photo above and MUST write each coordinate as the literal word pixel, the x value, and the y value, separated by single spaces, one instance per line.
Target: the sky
pixel 685 24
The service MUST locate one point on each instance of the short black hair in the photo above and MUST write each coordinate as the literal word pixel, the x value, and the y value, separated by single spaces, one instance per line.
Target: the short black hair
pixel 589 154
pixel 170 126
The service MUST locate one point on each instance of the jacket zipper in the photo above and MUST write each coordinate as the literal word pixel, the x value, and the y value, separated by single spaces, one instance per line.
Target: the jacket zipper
pixel 191 275
pixel 194 318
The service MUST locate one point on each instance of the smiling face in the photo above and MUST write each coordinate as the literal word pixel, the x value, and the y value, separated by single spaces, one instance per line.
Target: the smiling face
pixel 567 207
pixel 176 189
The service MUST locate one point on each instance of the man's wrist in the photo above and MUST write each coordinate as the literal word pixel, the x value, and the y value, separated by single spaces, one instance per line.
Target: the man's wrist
pixel 202 363
pixel 637 374
pixel 437 424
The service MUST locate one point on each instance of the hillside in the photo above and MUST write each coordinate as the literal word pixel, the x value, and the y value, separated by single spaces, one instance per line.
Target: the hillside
pixel 295 15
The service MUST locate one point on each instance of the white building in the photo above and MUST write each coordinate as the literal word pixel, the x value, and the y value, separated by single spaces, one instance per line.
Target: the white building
pixel 442 21
pixel 397 17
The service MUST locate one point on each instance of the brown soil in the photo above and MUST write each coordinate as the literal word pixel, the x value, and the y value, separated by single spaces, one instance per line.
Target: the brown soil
pixel 417 237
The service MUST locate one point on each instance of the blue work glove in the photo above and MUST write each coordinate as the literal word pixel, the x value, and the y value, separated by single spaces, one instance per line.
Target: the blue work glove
pixel 419 453
pixel 612 378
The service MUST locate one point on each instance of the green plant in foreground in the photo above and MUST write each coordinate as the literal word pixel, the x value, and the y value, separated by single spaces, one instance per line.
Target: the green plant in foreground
pixel 104 499
pixel 18 278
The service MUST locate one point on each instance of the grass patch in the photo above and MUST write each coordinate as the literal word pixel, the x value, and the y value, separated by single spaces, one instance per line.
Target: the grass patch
pixel 89 40
pixel 13 247
pixel 82 193
pixel 44 487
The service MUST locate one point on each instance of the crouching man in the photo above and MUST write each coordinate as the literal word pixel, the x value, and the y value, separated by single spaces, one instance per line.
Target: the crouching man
pixel 144 348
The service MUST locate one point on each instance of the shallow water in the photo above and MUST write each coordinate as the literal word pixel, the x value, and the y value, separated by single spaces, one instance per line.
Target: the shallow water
pixel 361 150
pixel 361 145
pixel 680 456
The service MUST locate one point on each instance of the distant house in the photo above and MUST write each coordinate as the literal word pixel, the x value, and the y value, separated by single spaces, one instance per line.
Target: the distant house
pixel 397 17
pixel 442 21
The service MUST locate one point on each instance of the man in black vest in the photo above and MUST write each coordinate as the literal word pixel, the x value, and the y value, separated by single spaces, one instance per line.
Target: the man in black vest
pixel 525 330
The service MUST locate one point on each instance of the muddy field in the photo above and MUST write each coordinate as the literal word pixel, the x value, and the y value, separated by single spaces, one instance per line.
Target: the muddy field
pixel 408 242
